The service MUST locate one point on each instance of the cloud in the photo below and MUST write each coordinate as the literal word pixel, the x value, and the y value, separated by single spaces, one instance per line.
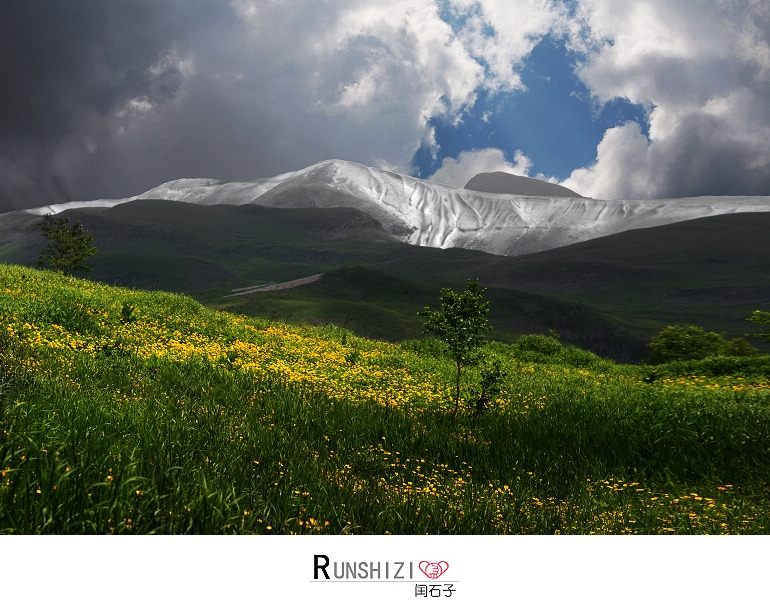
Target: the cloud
pixel 397 55
pixel 621 166
pixel 109 99
pixel 502 33
pixel 457 171
pixel 75 74
pixel 701 68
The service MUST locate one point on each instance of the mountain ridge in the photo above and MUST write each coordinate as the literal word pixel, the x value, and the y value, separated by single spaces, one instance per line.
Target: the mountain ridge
pixel 429 214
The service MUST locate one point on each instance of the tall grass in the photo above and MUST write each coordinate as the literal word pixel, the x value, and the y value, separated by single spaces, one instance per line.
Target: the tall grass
pixel 184 420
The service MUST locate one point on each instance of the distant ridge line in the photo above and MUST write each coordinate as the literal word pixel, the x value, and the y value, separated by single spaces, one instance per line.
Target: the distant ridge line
pixel 499 182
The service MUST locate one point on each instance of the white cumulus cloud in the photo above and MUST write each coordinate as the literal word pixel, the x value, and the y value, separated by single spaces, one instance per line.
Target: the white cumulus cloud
pixel 701 68
pixel 502 33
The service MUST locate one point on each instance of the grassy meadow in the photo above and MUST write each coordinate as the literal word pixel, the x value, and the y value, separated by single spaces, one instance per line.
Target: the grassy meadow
pixel 144 412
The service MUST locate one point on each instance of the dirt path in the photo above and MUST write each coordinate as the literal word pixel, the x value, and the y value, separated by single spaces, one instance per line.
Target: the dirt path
pixel 280 286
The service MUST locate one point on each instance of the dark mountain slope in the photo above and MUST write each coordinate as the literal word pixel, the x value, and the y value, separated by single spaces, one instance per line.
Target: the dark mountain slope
pixel 712 272
pixel 507 183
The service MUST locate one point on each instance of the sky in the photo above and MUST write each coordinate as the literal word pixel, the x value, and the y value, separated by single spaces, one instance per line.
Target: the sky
pixel 611 98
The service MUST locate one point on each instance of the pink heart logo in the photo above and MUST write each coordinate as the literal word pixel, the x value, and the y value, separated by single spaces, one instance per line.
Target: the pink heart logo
pixel 433 570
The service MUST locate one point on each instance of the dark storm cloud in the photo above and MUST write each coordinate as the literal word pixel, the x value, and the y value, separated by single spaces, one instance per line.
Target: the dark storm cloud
pixel 707 157
pixel 108 99
pixel 60 57
pixel 67 68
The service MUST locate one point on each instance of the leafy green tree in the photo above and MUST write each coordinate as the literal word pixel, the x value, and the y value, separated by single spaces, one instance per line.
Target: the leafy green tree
pixel 460 323
pixel 684 343
pixel 68 246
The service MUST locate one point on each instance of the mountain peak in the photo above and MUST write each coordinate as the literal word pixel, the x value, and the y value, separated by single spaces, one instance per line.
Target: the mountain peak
pixel 499 182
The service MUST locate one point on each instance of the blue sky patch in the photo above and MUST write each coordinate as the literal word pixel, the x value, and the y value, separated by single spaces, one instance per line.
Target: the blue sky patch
pixel 554 122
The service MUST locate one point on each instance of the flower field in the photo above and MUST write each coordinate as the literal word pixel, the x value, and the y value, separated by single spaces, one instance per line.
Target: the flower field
pixel 137 412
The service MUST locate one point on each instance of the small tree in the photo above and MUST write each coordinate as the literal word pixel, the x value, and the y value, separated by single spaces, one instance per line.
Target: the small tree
pixel 460 323
pixel 68 246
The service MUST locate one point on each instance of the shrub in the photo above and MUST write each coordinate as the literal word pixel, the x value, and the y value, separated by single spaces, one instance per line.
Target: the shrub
pixel 755 366
pixel 541 344
pixel 761 318
pixel 548 350
pixel 739 347
pixel 684 343
pixel 538 345
pixel 490 385
pixel 572 355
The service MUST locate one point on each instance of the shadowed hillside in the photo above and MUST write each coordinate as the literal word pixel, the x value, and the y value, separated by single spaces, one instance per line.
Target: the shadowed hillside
pixel 609 295
pixel 712 272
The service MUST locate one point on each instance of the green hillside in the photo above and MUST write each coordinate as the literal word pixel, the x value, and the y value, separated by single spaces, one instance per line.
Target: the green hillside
pixel 145 412
pixel 609 295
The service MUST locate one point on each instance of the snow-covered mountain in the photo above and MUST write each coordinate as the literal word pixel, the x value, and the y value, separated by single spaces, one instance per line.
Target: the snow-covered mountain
pixel 429 214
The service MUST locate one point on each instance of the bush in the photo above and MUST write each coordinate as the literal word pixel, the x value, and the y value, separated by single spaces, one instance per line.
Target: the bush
pixel 756 366
pixel 685 343
pixel 739 347
pixel 490 386
pixel 691 343
pixel 548 349
pixel 761 318
pixel 537 344
pixel 572 355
